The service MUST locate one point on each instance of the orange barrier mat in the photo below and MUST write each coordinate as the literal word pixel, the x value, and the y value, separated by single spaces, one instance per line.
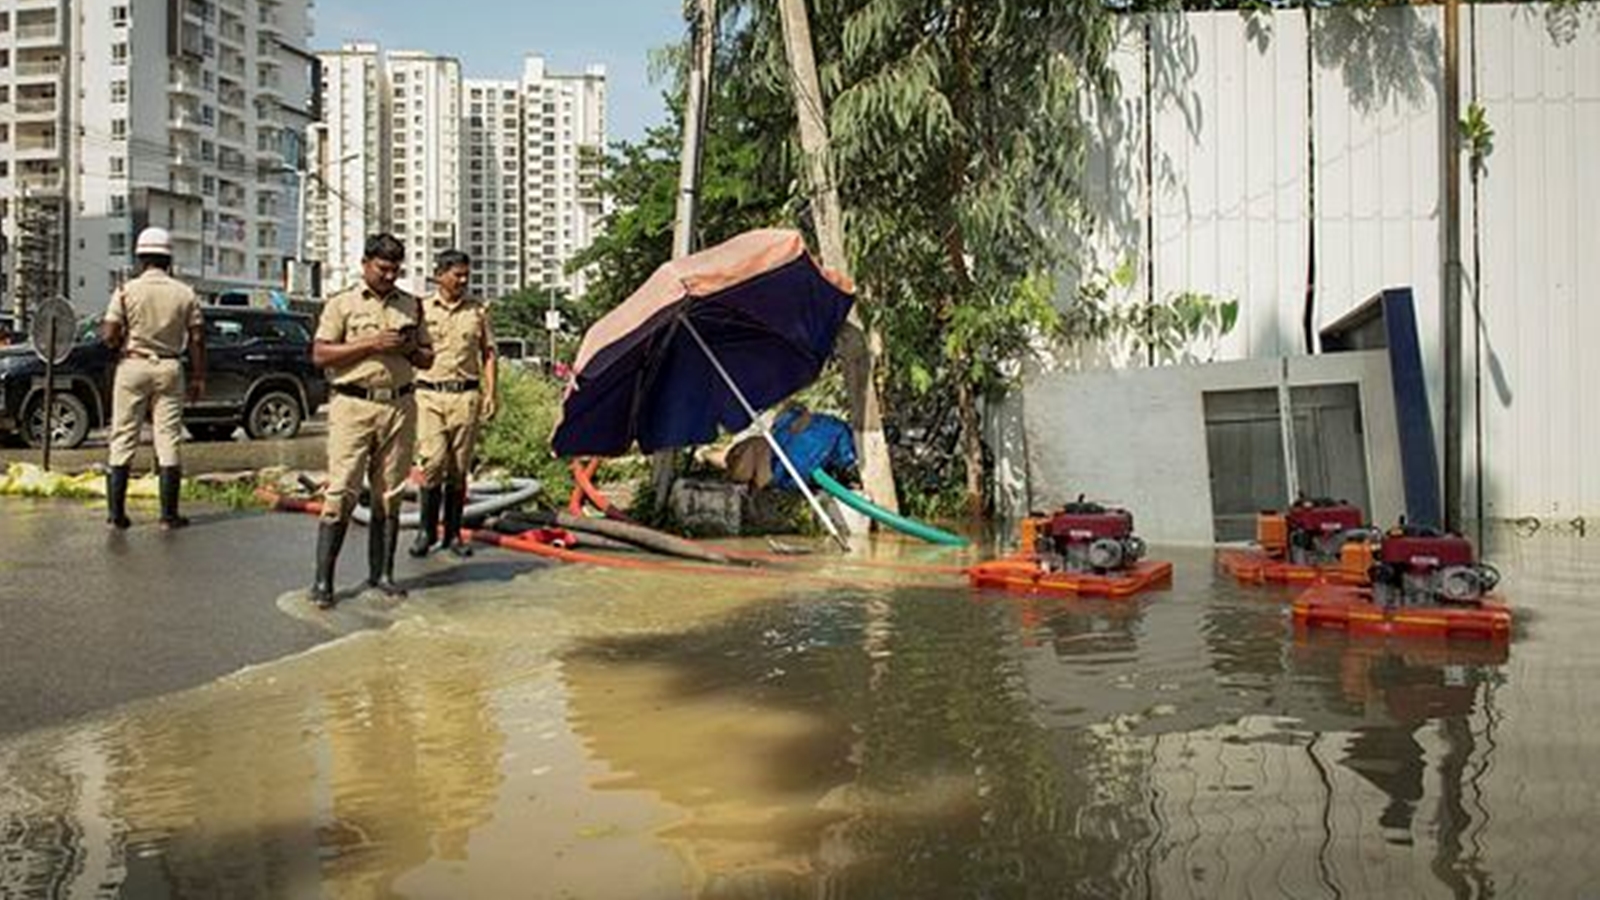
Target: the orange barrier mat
pixel 1022 574
pixel 1352 609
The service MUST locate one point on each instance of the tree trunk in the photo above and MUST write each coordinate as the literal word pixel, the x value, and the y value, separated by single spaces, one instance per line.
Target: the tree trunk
pixel 971 446
pixel 858 350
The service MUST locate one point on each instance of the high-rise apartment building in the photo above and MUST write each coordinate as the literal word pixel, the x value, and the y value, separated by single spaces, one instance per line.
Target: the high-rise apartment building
pixel 563 139
pixel 494 212
pixel 189 115
pixel 425 146
pixel 505 170
pixel 348 168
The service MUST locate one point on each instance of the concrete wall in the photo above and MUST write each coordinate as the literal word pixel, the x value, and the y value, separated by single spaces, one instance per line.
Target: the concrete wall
pixel 1137 438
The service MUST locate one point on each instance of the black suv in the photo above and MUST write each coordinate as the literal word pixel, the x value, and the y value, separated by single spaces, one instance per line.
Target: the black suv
pixel 258 374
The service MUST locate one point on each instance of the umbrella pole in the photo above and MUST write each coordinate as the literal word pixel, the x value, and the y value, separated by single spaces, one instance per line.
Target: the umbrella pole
pixel 788 464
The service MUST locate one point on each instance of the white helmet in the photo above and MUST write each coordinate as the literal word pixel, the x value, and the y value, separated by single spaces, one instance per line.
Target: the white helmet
pixel 153 242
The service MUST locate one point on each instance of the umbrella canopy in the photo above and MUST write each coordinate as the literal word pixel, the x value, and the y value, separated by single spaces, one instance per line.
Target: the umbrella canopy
pixel 766 311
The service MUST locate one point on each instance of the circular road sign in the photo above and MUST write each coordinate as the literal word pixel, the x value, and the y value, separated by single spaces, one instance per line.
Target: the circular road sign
pixel 59 312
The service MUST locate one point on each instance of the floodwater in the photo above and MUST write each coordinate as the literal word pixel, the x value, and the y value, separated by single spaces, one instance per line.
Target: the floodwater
pixel 844 730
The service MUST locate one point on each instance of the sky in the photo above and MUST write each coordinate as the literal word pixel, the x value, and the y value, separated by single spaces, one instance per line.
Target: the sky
pixel 491 37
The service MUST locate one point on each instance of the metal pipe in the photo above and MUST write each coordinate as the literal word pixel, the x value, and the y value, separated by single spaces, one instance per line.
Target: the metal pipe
pixel 783 457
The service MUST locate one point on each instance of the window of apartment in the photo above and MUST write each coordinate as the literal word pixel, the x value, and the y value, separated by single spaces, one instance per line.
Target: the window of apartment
pixel 118 243
pixel 119 15
pixel 119 204
pixel 208 151
pixel 208 186
pixel 119 91
pixel 208 114
pixel 5 172
pixel 119 54
pixel 118 165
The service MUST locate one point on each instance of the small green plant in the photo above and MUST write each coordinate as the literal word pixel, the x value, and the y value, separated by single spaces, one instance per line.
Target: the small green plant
pixel 518 439
pixel 1477 137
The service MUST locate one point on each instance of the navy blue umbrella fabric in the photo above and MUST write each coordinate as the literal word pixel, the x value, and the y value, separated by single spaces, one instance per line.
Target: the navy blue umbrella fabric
pixel 654 386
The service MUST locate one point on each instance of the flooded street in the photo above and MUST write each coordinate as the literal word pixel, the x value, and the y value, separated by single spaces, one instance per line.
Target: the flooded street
pixel 838 730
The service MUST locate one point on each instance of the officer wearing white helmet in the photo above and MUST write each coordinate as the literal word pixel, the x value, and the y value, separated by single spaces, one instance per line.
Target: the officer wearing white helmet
pixel 151 321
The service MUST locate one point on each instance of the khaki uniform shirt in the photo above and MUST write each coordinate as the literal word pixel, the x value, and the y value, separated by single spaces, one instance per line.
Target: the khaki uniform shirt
pixel 357 312
pixel 156 312
pixel 460 333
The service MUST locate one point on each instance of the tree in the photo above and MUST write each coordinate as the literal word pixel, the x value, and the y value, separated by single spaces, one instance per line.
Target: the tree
pixel 959 138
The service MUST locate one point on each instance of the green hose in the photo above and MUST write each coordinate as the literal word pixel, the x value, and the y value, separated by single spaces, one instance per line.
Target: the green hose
pixel 877 513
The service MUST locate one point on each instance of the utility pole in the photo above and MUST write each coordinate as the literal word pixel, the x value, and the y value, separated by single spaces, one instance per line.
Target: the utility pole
pixel 1451 317
pixel 858 350
pixel 702 37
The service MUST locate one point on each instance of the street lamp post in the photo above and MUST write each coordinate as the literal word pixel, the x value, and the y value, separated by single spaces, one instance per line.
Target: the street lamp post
pixel 303 176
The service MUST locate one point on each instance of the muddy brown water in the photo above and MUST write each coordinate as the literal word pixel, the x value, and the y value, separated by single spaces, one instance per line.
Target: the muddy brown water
pixel 843 731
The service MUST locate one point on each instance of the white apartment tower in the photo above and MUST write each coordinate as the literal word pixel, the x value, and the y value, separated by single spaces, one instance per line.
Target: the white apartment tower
pixel 494 186
pixel 189 115
pixel 426 146
pixel 564 133
pixel 347 172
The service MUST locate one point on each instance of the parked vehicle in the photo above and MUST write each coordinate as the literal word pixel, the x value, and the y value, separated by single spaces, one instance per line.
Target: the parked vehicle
pixel 258 375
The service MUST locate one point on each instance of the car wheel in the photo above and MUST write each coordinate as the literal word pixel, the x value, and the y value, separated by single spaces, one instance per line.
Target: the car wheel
pixel 69 421
pixel 274 415
pixel 212 432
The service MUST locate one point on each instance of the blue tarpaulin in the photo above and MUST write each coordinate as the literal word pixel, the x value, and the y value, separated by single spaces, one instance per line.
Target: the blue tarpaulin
pixel 824 442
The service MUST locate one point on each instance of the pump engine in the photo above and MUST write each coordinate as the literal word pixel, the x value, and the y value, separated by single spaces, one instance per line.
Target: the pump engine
pixel 1088 537
pixel 1318 528
pixel 1421 566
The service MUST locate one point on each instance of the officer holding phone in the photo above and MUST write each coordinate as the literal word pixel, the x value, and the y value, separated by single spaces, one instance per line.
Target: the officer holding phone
pixel 370 340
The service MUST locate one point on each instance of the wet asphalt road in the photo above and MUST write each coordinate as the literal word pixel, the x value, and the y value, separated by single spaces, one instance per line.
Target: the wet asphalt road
pixel 90 617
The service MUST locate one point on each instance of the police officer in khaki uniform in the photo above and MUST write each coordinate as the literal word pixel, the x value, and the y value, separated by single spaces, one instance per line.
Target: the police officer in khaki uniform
pixel 148 322
pixel 453 397
pixel 370 339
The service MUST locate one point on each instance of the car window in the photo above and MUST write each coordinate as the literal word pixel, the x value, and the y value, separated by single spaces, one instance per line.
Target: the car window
pixel 279 328
pixel 224 332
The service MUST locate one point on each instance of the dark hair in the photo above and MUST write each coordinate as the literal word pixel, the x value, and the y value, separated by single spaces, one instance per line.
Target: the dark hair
pixel 449 259
pixel 386 247
pixel 155 261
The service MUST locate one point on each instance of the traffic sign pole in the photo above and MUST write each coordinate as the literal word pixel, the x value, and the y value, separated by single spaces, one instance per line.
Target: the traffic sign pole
pixel 49 394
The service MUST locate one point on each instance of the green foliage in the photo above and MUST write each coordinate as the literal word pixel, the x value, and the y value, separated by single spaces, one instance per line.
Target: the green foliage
pixel 747 177
pixel 1184 327
pixel 518 439
pixel 1477 136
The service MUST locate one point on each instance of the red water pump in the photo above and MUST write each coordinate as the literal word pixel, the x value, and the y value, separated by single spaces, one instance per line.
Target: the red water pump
pixel 1088 537
pixel 1422 566
pixel 1319 527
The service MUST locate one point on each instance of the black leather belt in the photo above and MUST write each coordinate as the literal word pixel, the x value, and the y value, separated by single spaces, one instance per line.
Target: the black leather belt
pixel 450 387
pixel 376 395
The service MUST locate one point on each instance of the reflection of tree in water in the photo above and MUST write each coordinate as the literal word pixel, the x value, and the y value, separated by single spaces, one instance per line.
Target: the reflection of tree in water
pixel 41 850
pixel 942 782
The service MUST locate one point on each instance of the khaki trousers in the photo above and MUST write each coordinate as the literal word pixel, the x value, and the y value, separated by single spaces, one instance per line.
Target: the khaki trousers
pixel 142 387
pixel 371 439
pixel 447 435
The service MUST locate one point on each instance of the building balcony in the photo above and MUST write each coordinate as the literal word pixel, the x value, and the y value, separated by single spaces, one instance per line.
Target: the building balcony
pixel 184 122
pixel 35 108
pixel 39 182
pixel 38 70
pixel 44 34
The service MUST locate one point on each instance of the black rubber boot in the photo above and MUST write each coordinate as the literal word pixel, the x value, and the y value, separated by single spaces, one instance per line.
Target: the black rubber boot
pixel 455 501
pixel 428 528
pixel 383 538
pixel 330 538
pixel 171 488
pixel 117 496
